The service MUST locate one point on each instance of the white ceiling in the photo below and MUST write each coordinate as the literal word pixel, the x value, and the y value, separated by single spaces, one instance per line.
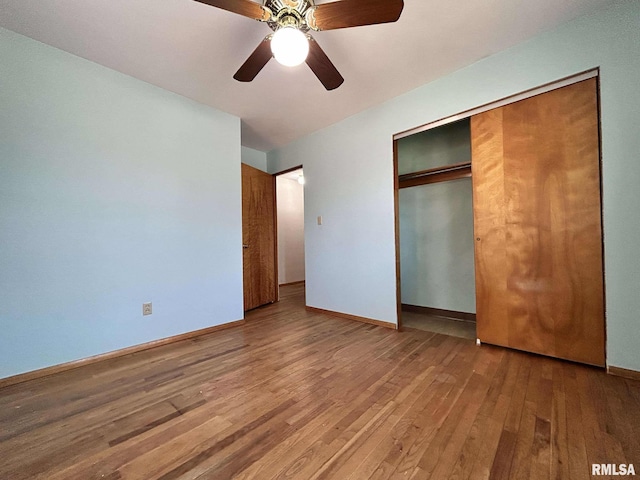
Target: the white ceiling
pixel 194 50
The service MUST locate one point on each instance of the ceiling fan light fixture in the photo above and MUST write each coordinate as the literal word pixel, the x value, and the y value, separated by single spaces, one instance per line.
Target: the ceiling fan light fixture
pixel 290 46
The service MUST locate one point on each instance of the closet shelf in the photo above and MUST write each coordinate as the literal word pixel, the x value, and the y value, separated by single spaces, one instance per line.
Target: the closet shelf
pixel 435 175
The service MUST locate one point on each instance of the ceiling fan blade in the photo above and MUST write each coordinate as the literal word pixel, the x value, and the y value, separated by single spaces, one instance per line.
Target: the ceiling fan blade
pixel 353 13
pixel 322 66
pixel 256 61
pixel 246 8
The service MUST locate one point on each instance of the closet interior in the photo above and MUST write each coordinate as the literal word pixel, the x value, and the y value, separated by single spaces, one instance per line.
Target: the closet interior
pixel 436 230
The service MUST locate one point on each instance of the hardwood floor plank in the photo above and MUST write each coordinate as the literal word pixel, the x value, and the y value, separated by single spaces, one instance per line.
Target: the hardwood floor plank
pixel 521 465
pixel 161 460
pixel 627 432
pixel 449 443
pixel 383 440
pixel 364 462
pixel 332 467
pixel 405 432
pixel 293 454
pixel 493 413
pixel 446 391
pixel 571 445
pixel 541 451
pixel 194 461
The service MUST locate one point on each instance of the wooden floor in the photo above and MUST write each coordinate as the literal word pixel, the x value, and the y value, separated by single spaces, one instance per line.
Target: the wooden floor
pixel 300 395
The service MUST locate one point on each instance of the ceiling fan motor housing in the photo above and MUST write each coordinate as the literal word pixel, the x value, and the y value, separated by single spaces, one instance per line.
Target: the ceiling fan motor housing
pixel 290 13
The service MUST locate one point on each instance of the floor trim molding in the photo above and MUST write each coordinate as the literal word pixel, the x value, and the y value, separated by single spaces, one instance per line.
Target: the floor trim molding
pixel 623 372
pixel 356 318
pixel 62 367
pixel 439 312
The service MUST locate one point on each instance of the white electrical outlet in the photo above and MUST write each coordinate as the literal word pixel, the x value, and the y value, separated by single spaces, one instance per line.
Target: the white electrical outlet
pixel 146 309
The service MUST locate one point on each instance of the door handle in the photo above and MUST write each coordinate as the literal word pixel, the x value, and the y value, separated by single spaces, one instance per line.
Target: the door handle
pixel 244 245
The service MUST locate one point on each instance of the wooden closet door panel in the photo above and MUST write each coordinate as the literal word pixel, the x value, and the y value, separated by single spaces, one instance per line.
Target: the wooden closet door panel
pixel 532 173
pixel 552 223
pixel 488 225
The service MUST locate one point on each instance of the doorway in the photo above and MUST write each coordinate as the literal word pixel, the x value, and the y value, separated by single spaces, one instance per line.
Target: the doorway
pixel 290 215
pixel 435 231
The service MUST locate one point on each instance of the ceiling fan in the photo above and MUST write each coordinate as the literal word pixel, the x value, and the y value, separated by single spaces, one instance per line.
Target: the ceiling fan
pixel 291 44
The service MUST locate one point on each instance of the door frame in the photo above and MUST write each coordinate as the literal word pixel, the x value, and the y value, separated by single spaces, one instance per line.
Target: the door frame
pixel 547 87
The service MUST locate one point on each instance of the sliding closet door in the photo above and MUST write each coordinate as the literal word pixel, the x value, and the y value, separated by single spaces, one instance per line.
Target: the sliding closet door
pixel 537 222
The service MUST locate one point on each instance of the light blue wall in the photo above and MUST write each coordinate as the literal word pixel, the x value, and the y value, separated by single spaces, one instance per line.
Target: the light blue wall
pixel 445 145
pixel 436 246
pixel 112 193
pixel 254 158
pixel 349 169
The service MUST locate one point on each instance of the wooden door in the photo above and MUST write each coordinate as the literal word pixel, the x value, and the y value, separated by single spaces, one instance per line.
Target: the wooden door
pixel 258 238
pixel 537 222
